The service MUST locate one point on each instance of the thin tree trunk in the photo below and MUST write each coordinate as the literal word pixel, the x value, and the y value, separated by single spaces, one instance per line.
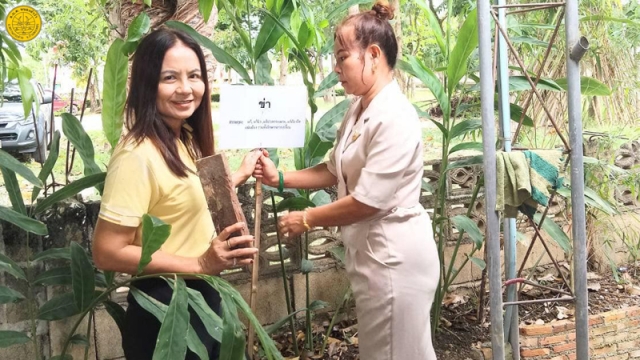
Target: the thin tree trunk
pixel 326 97
pixel 284 67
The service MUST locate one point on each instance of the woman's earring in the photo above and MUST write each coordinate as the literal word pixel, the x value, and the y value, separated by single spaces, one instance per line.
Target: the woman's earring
pixel 373 68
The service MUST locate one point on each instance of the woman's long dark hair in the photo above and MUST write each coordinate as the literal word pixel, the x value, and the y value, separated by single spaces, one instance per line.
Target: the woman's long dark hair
pixel 142 118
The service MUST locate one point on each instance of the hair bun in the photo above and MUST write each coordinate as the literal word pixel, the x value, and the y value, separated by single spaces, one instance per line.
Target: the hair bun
pixel 382 10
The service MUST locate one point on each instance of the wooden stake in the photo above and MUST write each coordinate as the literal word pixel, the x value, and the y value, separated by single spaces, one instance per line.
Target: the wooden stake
pixel 256 266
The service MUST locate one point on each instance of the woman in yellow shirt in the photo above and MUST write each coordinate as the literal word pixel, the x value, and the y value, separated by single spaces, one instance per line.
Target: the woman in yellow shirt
pixel 152 171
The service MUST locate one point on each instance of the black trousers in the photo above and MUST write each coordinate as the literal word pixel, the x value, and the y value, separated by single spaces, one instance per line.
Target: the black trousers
pixel 141 328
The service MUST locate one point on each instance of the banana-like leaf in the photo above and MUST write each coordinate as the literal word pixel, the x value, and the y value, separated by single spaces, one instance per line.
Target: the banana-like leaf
pixel 294 203
pixel 154 233
pixel 114 93
pixel 477 146
pixel 270 32
pixel 472 161
pixel 10 338
pixel 465 127
pixel 11 48
pixel 47 168
pixel 555 232
pixel 53 254
pixel 434 25
pixel 9 162
pixel 340 9
pixel 27 92
pixel 516 113
pixel 464 223
pixel 321 198
pixel 82 276
pixel 76 134
pixel 8 295
pixel 263 71
pixel 13 189
pixel 172 342
pixel 22 221
pixel 301 54
pixel 70 190
pixel 520 83
pixel 117 313
pixel 221 56
pixel 205 7
pixel 11 267
pixel 316 150
pixel 325 128
pixel 459 57
pixel 588 86
pixel 416 68
pixel 58 308
pixel 330 81
pixel 138 27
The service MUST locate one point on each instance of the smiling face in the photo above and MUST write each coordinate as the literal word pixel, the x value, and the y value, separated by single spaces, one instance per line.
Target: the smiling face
pixel 353 65
pixel 181 87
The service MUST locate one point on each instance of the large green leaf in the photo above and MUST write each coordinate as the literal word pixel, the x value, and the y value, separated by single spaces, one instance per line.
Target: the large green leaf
pixel 60 307
pixel 70 190
pixel 464 223
pixel 555 232
pixel 53 254
pixel 205 7
pixel 472 161
pixel 321 198
pixel 55 276
pixel 233 338
pixel 300 54
pixel 8 295
pixel 24 222
pixel 76 134
pixel 138 27
pixel 11 267
pixel 154 233
pixel 13 189
pixel 516 113
pixel 434 25
pixel 417 69
pixel 27 92
pixel 11 48
pixel 325 128
pixel 14 165
pixel 520 83
pixel 592 199
pixel 270 33
pixel 10 338
pixel 316 150
pixel 477 146
pixel 47 168
pixel 459 57
pixel 211 320
pixel 221 56
pixel 343 7
pixel 172 342
pixel 114 91
pixel 263 70
pixel 82 276
pixel 588 86
pixel 465 127
pixel 117 313
pixel 294 203
pixel 330 81
pixel 528 40
pixel 478 262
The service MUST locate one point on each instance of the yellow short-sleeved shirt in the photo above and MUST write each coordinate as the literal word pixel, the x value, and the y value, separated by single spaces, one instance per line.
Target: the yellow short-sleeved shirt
pixel 140 182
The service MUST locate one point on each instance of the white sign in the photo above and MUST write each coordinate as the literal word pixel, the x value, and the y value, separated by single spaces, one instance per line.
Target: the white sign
pixel 262 116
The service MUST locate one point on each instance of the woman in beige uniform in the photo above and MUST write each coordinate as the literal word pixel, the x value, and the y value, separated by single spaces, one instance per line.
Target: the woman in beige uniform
pixel 377 163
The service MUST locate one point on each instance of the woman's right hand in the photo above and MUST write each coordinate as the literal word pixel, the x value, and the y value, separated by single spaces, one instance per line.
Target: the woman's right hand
pixel 226 253
pixel 266 170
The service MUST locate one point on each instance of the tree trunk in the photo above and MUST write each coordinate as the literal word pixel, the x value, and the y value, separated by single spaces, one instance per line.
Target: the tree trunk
pixel 93 94
pixel 284 67
pixel 326 97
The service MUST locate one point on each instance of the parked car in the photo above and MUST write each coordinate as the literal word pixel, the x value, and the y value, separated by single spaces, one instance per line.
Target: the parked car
pixel 61 105
pixel 19 135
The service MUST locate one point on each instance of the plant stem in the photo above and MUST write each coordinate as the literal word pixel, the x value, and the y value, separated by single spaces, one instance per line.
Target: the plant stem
pixel 292 322
pixel 89 321
pixel 306 276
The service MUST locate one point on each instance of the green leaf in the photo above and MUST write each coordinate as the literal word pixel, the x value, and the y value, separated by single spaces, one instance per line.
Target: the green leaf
pixel 271 329
pixel 263 71
pixel 316 150
pixel 109 276
pixel 270 32
pixel 465 127
pixel 592 199
pixel 53 254
pixel 26 90
pixel 321 198
pixel 9 162
pixel 472 161
pixel 8 295
pixel 58 308
pixel 294 203
pixel 516 112
pixel 477 146
pixel 555 232
pixel 172 342
pixel 138 27
pixel 479 262
pixel 10 266
pixel 609 19
pixel 82 276
pixel 233 338
pixel 211 320
pixel 70 190
pixel 340 9
pixel 47 168
pixel 318 304
pixel 306 266
pixel 434 25
pixel 301 54
pixel 528 40
pixel 13 189
pixel 221 56
pixel 459 57
pixel 114 91
pixel 338 253
pixel 416 68
pixel 154 233
pixel 520 83
pixel 117 313
pixel 55 276
pixel 10 338
pixel 588 86
pixel 273 155
pixel 330 81
pixel 24 222
pixel 76 134
pixel 464 223
pixel 298 158
pixel 205 7
pixel 11 45
pixel 79 339
pixel 325 128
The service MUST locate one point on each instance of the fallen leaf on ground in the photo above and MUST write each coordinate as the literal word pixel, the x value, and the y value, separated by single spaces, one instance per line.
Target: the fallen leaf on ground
pixel 453 299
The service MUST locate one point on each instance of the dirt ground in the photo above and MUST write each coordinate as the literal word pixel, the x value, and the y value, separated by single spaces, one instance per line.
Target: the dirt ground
pixel 461 333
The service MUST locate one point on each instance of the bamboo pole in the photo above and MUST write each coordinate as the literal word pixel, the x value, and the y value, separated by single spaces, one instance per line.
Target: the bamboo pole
pixel 256 265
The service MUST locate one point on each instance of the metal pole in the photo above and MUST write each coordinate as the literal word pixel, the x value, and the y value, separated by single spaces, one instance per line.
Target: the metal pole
pixel 511 333
pixel 487 91
pixel 577 180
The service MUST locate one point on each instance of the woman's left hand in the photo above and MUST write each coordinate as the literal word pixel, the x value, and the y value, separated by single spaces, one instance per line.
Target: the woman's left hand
pixel 292 225
pixel 249 163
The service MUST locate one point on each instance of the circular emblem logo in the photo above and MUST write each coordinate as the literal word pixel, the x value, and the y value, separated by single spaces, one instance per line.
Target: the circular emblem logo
pixel 23 23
